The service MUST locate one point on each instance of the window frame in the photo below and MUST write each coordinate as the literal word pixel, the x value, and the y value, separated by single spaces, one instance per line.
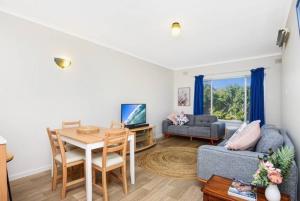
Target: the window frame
pixel 245 77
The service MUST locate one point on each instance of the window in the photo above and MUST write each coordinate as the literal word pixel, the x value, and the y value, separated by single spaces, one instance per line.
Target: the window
pixel 228 99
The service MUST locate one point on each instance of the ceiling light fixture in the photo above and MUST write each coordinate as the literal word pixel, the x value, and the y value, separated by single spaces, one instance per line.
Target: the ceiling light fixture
pixel 176 29
pixel 62 62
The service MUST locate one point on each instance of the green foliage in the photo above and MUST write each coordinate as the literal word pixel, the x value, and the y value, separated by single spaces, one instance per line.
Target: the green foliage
pixel 228 103
pixel 282 159
pixel 261 179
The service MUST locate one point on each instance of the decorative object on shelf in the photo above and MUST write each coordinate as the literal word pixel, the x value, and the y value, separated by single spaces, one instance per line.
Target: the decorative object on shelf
pixel 184 96
pixel 272 170
pixel 62 62
pixel 176 29
pixel 88 130
pixel 298 13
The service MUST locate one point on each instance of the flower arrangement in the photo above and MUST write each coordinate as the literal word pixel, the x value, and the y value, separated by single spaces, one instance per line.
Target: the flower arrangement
pixel 274 168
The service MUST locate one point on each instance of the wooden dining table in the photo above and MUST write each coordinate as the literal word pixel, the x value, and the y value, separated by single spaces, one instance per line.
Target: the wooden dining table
pixel 89 142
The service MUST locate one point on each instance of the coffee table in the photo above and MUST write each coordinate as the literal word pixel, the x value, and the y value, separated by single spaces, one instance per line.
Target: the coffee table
pixel 217 187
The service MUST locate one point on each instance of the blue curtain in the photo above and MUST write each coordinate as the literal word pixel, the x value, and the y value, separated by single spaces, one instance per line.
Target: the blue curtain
pixel 257 108
pixel 198 95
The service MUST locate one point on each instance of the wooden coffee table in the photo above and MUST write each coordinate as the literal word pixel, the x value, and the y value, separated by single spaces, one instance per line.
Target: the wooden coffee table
pixel 217 187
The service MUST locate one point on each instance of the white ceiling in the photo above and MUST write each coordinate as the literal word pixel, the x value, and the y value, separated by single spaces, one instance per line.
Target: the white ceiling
pixel 212 30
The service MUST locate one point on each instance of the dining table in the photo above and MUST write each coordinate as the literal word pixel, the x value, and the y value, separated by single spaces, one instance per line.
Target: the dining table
pixel 92 141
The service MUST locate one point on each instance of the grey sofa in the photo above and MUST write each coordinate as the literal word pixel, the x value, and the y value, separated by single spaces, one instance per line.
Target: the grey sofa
pixel 217 160
pixel 199 126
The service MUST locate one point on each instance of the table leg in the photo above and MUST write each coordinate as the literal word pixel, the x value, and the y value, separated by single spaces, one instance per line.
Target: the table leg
pixel 132 160
pixel 88 173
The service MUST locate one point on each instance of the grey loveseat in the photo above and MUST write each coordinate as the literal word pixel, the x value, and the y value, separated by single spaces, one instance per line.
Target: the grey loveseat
pixel 199 126
pixel 217 160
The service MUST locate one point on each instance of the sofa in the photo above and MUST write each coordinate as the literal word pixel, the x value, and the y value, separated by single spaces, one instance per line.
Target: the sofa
pixel 217 160
pixel 199 126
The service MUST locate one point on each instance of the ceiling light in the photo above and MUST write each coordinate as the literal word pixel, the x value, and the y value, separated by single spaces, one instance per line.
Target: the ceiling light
pixel 62 62
pixel 176 28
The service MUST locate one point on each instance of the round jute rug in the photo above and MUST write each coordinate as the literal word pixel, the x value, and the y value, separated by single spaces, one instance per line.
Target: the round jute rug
pixel 177 162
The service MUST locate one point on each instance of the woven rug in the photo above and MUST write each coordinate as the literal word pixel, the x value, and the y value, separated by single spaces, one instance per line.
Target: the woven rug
pixel 177 162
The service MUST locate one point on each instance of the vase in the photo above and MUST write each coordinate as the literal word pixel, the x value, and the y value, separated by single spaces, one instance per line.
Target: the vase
pixel 272 193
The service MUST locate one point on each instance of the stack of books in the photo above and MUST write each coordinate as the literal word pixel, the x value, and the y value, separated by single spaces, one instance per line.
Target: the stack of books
pixel 242 190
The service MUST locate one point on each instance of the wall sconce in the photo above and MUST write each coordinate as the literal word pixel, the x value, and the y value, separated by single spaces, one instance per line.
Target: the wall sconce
pixel 62 62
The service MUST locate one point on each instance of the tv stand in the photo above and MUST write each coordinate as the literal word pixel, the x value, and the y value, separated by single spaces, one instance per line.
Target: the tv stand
pixel 136 126
pixel 143 137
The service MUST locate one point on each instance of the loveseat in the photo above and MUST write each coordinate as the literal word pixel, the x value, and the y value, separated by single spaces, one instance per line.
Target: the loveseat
pixel 217 160
pixel 198 126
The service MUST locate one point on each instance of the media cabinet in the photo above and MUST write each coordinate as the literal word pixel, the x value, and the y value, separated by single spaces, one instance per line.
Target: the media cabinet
pixel 144 137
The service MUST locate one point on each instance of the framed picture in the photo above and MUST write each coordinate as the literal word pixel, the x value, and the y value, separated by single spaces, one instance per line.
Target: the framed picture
pixel 184 96
pixel 298 13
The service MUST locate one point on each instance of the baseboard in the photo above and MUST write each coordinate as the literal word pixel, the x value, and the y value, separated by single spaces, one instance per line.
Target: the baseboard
pixel 28 173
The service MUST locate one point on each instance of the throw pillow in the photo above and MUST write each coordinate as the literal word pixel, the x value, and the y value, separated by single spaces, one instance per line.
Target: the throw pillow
pixel 247 138
pixel 181 119
pixel 270 139
pixel 235 134
pixel 172 117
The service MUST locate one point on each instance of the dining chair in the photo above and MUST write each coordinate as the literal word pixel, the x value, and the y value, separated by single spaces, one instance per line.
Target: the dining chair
pixel 112 157
pixel 117 124
pixel 64 159
pixel 70 124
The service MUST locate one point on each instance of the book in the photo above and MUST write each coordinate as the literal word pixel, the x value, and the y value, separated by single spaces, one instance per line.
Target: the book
pixel 242 190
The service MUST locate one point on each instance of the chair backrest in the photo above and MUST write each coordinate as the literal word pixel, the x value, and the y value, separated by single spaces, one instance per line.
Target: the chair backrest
pixel 57 146
pixel 71 124
pixel 115 141
pixel 117 124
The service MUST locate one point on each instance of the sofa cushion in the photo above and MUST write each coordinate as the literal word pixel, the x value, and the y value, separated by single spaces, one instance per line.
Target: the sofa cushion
pixel 247 138
pixel 199 131
pixel 182 130
pixel 270 139
pixel 191 120
pixel 172 117
pixel 204 120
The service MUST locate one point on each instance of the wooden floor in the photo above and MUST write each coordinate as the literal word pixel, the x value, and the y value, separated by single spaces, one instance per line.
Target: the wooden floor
pixel 148 187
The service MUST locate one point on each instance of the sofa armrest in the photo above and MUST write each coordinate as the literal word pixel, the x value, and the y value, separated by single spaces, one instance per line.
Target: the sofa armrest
pixel 217 130
pixel 165 124
pixel 217 160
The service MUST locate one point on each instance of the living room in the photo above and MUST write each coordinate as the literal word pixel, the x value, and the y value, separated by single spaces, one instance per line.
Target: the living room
pixel 71 61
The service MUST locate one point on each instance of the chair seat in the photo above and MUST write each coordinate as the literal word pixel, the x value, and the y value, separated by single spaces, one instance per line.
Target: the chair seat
pixel 71 156
pixel 112 159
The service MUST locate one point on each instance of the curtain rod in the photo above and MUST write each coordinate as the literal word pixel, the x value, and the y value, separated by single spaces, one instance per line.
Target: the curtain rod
pixel 241 71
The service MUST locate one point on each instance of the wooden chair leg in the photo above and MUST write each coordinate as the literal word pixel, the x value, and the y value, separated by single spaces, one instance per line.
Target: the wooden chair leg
pixel 54 177
pixel 64 183
pixel 124 179
pixel 104 186
pixel 8 186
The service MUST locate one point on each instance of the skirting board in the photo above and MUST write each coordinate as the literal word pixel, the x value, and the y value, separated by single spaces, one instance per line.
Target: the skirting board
pixel 28 173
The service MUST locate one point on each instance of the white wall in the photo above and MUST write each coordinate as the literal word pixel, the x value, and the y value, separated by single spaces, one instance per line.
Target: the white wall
pixel 291 82
pixel 185 78
pixel 35 94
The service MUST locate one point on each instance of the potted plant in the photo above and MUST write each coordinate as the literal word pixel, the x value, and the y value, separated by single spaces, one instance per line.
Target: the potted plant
pixel 272 170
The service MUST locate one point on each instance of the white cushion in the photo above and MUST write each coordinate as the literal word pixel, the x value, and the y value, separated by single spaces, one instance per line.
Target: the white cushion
pixel 112 159
pixel 71 156
pixel 247 138
pixel 236 134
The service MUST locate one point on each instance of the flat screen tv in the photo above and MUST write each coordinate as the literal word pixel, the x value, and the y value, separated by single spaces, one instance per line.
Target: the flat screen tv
pixel 133 114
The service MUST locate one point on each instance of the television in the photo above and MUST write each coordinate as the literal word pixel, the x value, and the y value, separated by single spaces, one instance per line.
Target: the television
pixel 133 115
